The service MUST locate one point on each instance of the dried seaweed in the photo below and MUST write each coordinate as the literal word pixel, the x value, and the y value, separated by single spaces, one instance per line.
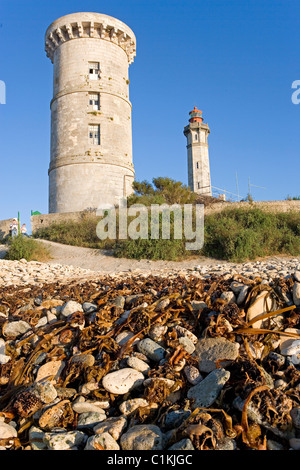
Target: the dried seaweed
pixel 148 302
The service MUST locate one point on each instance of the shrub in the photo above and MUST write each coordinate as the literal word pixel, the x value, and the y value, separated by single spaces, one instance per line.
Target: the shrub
pixel 27 248
pixel 234 235
pixel 246 234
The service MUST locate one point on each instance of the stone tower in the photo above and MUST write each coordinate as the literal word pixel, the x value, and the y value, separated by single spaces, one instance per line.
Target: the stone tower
pixel 197 152
pixel 91 136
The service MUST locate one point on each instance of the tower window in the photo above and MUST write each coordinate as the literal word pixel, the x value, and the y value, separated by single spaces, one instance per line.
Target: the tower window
pixel 94 134
pixel 94 101
pixel 94 70
pixel 197 164
pixel 198 185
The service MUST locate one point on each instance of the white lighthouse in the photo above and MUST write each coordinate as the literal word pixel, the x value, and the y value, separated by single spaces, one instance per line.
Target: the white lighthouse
pixel 196 133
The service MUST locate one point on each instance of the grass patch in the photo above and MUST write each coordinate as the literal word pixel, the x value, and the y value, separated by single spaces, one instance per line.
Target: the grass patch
pixel 22 247
pixel 235 235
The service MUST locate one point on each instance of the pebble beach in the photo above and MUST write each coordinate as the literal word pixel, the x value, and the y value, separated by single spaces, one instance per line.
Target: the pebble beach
pixel 206 358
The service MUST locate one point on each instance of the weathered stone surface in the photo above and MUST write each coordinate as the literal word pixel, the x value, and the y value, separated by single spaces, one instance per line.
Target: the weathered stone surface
pixel 187 344
pixel 192 374
pixel 242 295
pixel 89 420
pixel 138 364
pixel 142 437
pixel 151 349
pixel 36 438
pixel 125 336
pixel 7 431
pixel 123 380
pixel 89 307
pixel 184 332
pixel 128 406
pixel 114 426
pixel 105 165
pixel 262 304
pixel 45 391
pixel 184 444
pixel 228 296
pixel 296 293
pixel 70 307
pixel 65 440
pixel 286 342
pixel 206 392
pixel 4 358
pixel 102 441
pixel 88 407
pixel 198 304
pixel 211 350
pixel 15 329
pixel 50 371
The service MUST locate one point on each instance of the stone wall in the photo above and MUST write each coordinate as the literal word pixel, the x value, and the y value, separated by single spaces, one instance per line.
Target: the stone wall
pixel 4 227
pixel 44 220
pixel 271 206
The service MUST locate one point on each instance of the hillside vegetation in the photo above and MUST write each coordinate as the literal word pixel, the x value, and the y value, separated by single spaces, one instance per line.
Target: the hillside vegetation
pixel 235 234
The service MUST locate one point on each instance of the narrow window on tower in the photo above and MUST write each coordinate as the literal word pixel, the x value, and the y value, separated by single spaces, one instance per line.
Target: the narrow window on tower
pixel 94 70
pixel 197 164
pixel 94 101
pixel 94 134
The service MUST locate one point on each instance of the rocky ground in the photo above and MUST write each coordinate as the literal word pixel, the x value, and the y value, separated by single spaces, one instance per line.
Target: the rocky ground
pixel 188 357
pixel 76 262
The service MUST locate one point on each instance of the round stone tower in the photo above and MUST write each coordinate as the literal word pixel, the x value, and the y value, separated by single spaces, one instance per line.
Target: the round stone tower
pixel 91 136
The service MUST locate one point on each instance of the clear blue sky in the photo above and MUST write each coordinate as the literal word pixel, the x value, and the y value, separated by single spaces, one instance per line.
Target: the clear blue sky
pixel 233 59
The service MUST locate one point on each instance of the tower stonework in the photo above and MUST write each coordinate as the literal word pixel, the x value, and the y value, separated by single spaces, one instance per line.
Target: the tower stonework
pixel 196 133
pixel 91 132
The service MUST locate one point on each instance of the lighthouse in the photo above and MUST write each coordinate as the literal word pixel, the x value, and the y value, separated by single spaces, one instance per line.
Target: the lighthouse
pixel 196 133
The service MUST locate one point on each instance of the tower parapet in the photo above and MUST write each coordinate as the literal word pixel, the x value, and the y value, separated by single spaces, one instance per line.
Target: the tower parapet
pixel 90 25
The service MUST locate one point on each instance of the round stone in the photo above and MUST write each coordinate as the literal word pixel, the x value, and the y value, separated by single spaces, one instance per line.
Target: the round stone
pixel 114 426
pixel 15 329
pixel 151 349
pixel 70 307
pixel 90 419
pixel 102 441
pixel 122 381
pixel 7 431
pixel 142 437
pixel 128 406
pixel 50 371
pixel 138 364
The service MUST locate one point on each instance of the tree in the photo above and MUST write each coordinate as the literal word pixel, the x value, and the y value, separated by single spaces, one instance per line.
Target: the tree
pixel 163 190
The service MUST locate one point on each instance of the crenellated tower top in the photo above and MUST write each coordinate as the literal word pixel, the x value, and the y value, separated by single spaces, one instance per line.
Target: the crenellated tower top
pixel 90 25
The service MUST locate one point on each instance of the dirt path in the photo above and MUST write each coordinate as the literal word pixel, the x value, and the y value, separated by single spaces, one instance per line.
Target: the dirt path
pixel 102 260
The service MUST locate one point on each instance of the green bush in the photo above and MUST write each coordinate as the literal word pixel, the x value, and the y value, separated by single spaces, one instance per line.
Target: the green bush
pixel 234 235
pixel 247 234
pixel 27 248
